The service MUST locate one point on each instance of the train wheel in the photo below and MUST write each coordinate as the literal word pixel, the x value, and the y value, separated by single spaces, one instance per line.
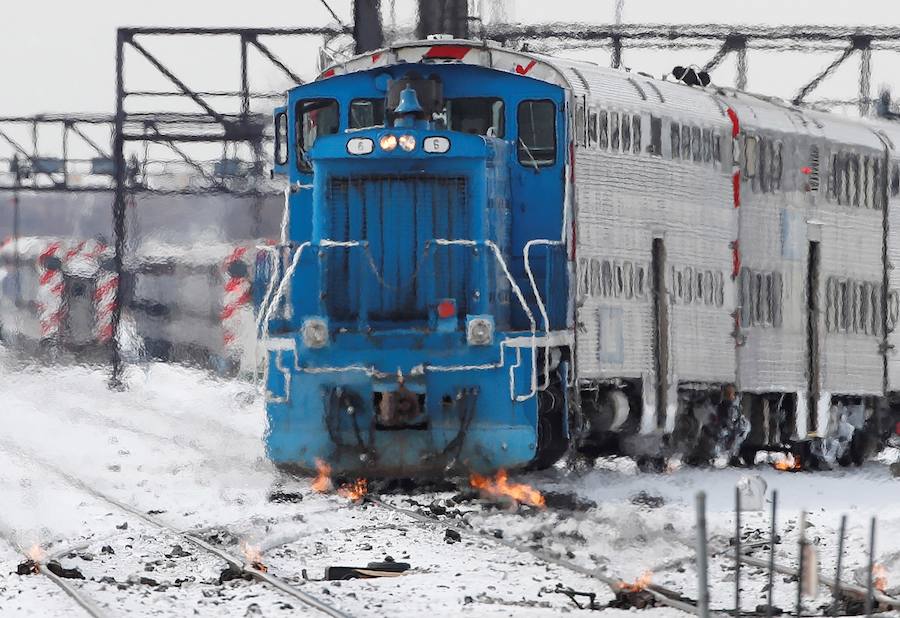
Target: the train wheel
pixel 552 441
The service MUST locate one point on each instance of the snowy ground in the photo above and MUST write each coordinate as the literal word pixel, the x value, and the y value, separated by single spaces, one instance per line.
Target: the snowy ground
pixel 188 449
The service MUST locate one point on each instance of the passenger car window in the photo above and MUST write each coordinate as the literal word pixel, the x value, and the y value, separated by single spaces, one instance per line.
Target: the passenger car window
pixel 315 118
pixel 604 130
pixel 537 132
pixel 592 129
pixel 366 113
pixel 655 147
pixel 676 140
pixel 636 133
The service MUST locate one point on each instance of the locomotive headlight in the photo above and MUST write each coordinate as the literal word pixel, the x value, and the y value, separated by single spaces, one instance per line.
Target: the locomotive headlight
pixel 436 144
pixel 388 142
pixel 360 146
pixel 407 142
pixel 315 333
pixel 479 330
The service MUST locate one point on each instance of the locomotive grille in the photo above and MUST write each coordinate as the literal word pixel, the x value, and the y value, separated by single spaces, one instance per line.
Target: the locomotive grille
pixel 396 215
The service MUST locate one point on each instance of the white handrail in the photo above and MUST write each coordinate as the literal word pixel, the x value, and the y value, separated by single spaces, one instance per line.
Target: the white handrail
pixel 521 298
pixel 541 307
pixel 285 280
pixel 289 273
pixel 270 286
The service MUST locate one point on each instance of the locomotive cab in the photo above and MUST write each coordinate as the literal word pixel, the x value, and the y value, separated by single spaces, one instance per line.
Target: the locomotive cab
pixel 421 273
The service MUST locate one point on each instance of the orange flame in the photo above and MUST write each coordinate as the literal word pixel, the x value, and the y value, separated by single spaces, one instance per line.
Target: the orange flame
pixel 253 554
pixel 36 553
pixel 639 584
pixel 788 464
pixel 879 577
pixel 355 490
pixel 499 486
pixel 322 482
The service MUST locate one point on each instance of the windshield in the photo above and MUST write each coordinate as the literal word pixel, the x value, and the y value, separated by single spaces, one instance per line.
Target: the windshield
pixel 315 117
pixel 473 115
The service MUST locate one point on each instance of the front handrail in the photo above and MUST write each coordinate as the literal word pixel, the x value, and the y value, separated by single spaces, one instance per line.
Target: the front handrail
pixel 537 295
pixel 267 309
pixel 519 296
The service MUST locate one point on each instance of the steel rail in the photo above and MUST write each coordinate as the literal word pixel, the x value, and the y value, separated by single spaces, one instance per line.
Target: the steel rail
pixel 659 593
pixel 853 590
pixel 237 563
pixel 81 600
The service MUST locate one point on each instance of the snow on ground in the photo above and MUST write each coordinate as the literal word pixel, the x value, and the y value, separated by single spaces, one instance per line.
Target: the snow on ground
pixel 188 448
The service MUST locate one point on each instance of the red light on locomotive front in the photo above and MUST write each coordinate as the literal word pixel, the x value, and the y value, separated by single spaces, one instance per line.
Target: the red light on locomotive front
pixel 446 309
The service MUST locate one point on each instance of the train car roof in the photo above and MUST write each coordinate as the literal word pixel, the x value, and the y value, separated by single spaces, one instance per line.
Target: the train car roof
pixel 627 89
pixel 624 88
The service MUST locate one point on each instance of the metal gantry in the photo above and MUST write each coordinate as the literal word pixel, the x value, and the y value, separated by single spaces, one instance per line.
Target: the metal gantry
pixel 725 39
pixel 226 116
pixel 210 124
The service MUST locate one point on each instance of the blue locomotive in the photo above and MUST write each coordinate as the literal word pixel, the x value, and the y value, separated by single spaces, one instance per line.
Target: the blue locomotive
pixel 422 275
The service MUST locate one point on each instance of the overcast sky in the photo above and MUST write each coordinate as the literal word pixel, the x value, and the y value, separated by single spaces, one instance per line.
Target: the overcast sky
pixel 59 55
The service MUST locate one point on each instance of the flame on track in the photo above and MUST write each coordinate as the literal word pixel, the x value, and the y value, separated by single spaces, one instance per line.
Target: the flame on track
pixel 36 553
pixel 354 491
pixel 500 487
pixel 879 577
pixel 322 483
pixel 788 464
pixel 253 555
pixel 639 584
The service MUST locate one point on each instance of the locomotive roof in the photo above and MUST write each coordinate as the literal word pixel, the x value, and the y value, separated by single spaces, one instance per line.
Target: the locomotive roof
pixel 626 89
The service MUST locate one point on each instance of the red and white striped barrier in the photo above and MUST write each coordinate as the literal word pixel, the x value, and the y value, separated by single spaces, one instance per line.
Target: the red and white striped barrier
pixel 51 285
pixel 237 297
pixel 105 292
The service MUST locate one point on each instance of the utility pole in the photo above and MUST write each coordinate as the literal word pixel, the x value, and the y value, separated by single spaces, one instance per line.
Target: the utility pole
pixel 367 30
pixel 443 17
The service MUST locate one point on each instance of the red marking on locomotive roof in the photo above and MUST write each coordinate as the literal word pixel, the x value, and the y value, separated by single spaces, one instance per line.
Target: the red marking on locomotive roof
pixel 806 170
pixel 448 52
pixel 328 73
pixel 375 58
pixel 524 70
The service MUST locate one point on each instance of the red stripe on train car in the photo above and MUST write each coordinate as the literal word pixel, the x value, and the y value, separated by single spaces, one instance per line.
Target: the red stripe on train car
pixel 735 259
pixel 735 123
pixel 736 188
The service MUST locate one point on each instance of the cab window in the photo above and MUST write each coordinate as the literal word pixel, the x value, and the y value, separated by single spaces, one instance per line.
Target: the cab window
pixel 315 118
pixel 366 113
pixel 537 133
pixel 475 115
pixel 281 138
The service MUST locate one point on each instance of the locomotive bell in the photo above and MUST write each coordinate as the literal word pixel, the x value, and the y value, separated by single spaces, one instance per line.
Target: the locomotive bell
pixel 408 110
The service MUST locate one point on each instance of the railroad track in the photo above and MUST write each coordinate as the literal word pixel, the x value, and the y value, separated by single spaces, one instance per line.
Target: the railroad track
pixel 236 563
pixel 660 594
pixel 81 600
